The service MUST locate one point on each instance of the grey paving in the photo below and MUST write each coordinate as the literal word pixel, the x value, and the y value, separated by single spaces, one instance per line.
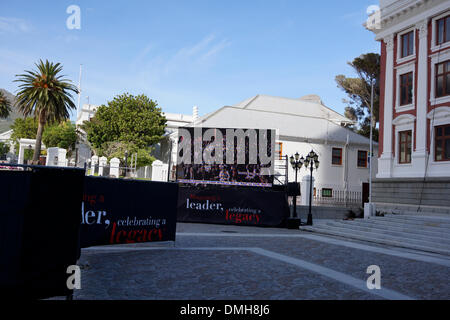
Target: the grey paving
pixel 246 263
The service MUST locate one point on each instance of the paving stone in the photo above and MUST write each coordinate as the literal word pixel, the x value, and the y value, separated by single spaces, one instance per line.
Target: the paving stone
pixel 185 272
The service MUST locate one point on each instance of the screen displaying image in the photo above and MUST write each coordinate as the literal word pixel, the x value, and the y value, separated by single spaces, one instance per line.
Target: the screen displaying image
pixel 251 151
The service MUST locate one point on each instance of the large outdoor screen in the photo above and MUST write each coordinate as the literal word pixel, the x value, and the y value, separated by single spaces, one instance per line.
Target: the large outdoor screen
pixel 226 156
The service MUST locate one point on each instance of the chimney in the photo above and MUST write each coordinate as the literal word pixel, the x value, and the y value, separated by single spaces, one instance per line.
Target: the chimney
pixel 194 113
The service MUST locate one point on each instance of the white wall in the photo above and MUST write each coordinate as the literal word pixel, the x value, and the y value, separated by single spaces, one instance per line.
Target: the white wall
pixel 329 175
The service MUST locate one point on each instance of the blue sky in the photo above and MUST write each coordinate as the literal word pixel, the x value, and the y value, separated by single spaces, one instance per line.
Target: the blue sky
pixel 192 52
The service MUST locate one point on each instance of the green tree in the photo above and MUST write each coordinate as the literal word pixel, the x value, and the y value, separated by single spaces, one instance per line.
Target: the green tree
pixel 128 123
pixel 62 135
pixel 5 106
pixel 46 95
pixel 358 90
pixel 23 128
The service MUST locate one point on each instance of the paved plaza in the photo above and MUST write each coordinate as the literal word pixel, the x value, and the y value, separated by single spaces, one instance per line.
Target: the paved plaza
pixel 231 262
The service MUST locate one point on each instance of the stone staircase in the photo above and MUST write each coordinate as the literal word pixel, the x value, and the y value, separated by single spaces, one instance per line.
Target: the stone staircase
pixel 424 233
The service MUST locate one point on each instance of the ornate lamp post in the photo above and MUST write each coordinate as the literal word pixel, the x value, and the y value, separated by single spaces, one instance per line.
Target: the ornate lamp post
pixel 312 160
pixel 296 164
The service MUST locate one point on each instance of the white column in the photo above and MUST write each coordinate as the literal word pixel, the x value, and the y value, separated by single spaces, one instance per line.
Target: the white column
pixel 94 161
pixel 419 156
pixel 52 156
pixel 157 171
pixel 62 161
pixel 114 167
pixel 103 161
pixel 304 189
pixel 385 160
pixel 21 154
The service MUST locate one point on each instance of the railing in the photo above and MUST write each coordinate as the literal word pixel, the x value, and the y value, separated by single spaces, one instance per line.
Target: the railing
pixel 340 198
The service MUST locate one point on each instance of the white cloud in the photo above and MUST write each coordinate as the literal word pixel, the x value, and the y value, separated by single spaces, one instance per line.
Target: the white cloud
pixel 69 38
pixel 216 48
pixel 151 65
pixel 14 25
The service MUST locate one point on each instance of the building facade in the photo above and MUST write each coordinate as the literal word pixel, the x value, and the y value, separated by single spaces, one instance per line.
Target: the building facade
pixel 414 139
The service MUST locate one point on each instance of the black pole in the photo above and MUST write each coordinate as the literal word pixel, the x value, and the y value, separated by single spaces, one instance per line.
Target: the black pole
pixel 310 222
pixel 295 196
pixel 126 163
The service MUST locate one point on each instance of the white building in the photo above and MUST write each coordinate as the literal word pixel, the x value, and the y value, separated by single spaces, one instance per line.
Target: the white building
pixel 302 125
pixel 83 152
pixel 86 113
pixel 5 137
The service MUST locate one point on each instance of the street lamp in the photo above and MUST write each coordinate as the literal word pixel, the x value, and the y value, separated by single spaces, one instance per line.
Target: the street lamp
pixel 312 160
pixel 296 163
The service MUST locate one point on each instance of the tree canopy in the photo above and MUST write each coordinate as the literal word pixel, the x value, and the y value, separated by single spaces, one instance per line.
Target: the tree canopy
pixel 128 123
pixel 5 106
pixel 46 95
pixel 358 90
pixel 61 135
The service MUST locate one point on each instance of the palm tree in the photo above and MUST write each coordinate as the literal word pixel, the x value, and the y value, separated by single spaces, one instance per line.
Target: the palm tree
pixel 5 106
pixel 45 95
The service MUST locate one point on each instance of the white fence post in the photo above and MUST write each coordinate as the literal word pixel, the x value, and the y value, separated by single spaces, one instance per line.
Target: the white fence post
pixel 94 162
pixel 159 171
pixel 103 161
pixel 114 164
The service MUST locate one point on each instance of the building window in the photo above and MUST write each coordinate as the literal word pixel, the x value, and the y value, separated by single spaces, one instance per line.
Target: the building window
pixel 327 193
pixel 336 156
pixel 443 30
pixel 362 159
pixel 279 150
pixel 406 88
pixel 405 143
pixel 407 42
pixel 443 79
pixel 442 143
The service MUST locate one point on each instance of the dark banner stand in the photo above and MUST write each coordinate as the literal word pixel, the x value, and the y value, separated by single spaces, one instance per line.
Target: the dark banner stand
pixel 49 213
pixel 40 212
pixel 237 206
pixel 118 211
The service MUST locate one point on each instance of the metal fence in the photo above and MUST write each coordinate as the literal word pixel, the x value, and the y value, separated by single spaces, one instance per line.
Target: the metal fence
pixel 122 172
pixel 338 198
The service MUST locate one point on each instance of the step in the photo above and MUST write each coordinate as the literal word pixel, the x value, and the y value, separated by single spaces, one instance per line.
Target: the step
pixel 383 224
pixel 412 209
pixel 432 232
pixel 412 234
pixel 428 218
pixel 383 236
pixel 394 243
pixel 411 222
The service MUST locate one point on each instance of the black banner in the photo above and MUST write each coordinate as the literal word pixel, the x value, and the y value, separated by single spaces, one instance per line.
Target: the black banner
pixel 127 211
pixel 261 207
pixel 39 229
